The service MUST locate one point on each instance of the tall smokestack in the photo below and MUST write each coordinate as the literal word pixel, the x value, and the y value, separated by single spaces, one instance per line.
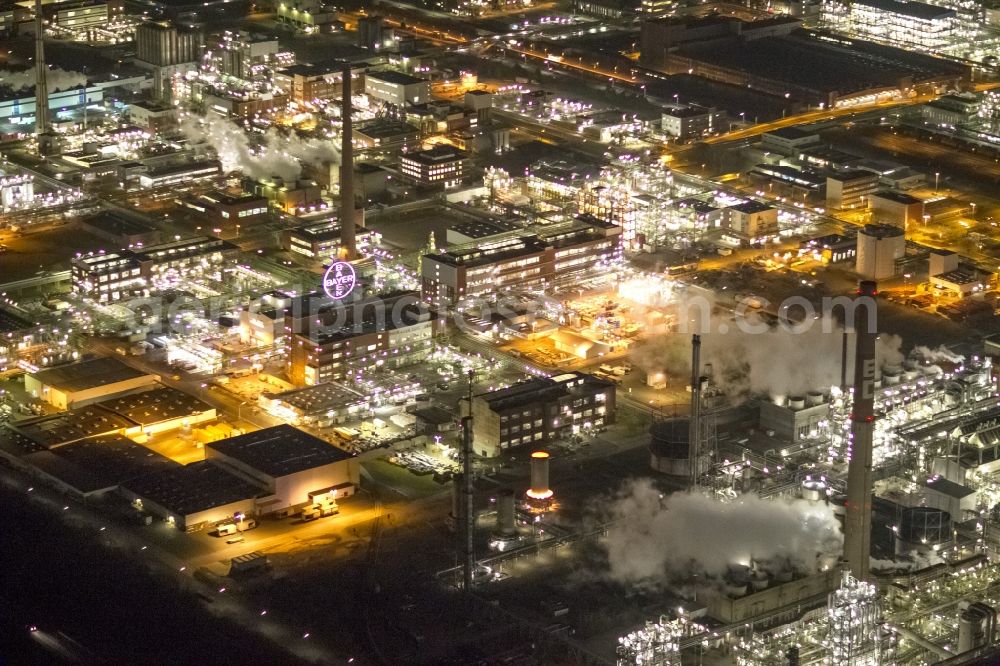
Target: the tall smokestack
pixel 858 521
pixel 348 244
pixel 694 438
pixel 41 85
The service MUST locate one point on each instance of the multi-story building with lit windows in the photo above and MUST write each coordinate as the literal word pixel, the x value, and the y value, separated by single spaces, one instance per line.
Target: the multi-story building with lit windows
pixel 397 88
pixel 116 276
pixel 656 8
pixel 539 411
pixel 894 22
pixel 107 277
pixel 492 267
pixel 331 340
pixel 309 83
pixel 440 166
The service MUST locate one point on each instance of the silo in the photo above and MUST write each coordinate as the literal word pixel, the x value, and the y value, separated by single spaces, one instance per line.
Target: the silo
pixel 506 523
pixel 879 246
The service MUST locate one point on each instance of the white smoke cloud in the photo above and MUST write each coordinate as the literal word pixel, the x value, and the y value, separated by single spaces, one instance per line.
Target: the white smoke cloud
pixel 56 78
pixel 778 361
pixel 654 540
pixel 276 155
pixel 942 353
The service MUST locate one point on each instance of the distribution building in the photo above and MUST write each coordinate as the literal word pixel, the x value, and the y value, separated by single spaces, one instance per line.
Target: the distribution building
pixel 291 466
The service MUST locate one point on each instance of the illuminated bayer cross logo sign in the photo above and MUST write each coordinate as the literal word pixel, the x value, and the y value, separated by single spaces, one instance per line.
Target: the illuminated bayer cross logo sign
pixel 339 280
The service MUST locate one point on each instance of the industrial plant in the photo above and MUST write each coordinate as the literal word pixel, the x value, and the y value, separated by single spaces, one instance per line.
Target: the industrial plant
pixel 626 332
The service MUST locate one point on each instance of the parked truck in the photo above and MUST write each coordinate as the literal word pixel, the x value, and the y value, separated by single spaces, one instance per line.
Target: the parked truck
pixel 250 563
pixel 327 507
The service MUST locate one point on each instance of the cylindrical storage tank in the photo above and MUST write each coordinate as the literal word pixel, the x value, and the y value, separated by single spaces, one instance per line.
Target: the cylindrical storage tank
pixel 668 446
pixel 796 402
pixel 814 398
pixel 925 526
pixel 735 589
pixel 539 476
pixel 506 523
pixel 813 490
pixel 890 378
pixel 969 630
pixel 879 246
pixel 759 581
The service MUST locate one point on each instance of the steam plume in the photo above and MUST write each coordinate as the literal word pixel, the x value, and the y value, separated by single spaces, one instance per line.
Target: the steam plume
pixel 57 79
pixel 277 155
pixel 656 540
pixel 942 353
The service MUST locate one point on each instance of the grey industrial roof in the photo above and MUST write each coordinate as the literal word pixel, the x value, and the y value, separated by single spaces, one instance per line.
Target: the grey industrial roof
pixel 192 488
pixel 482 228
pixel 115 223
pixel 898 197
pixel 99 463
pixel 320 397
pixel 66 427
pixel 89 374
pixel 392 76
pixel 279 450
pixel 160 404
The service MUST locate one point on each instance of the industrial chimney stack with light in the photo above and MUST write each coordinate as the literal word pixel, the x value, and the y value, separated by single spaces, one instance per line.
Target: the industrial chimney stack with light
pixel 858 520
pixel 539 476
pixel 41 70
pixel 348 215
pixel 694 438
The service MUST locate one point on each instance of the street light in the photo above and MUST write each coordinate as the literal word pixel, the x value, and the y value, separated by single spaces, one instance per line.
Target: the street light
pixel 937 179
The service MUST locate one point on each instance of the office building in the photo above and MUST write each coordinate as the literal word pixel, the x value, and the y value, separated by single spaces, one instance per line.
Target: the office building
pixel 539 411
pixel 488 268
pixel 688 121
pixel 440 166
pixel 850 189
pixel 896 208
pixel 397 88
pixel 906 23
pixel 343 341
pixel 751 220
pixel 314 83
pixel 135 272
pixel 321 240
pixel 226 209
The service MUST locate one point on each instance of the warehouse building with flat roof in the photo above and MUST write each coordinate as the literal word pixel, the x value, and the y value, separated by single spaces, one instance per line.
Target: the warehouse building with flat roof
pixel 82 383
pixel 86 468
pixel 193 497
pixel 290 466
